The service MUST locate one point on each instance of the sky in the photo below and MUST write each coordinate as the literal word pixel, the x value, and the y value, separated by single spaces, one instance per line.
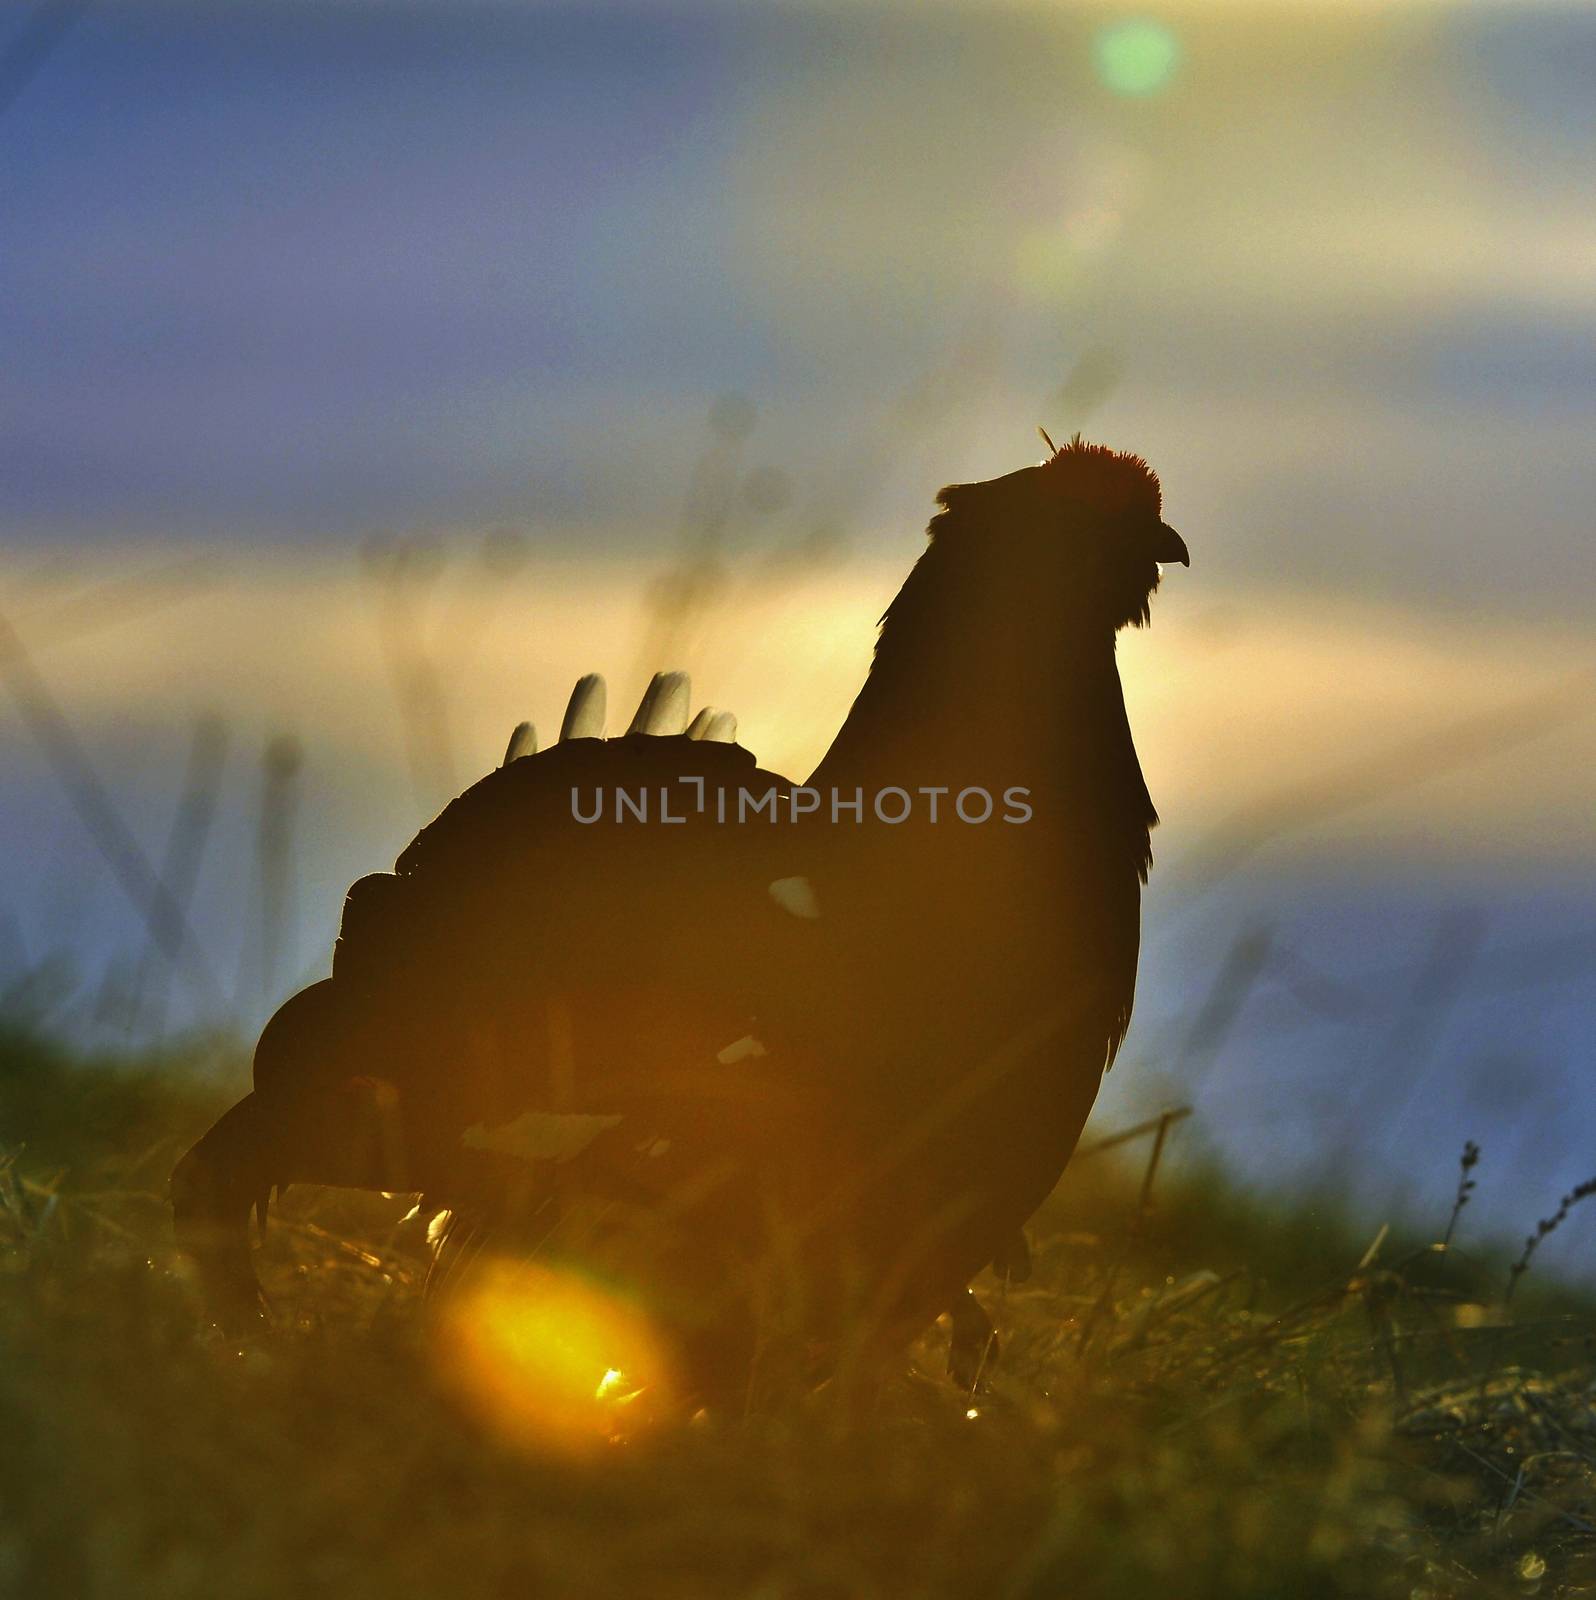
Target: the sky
pixel 535 292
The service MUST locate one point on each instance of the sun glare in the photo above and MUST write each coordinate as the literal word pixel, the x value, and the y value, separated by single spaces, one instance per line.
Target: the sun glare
pixel 1136 58
pixel 552 1361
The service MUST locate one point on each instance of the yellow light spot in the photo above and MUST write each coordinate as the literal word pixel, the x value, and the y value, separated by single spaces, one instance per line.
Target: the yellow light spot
pixel 1136 58
pixel 972 1413
pixel 551 1361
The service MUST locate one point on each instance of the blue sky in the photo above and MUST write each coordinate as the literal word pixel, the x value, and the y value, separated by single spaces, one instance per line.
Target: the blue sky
pixel 251 251
pixel 286 271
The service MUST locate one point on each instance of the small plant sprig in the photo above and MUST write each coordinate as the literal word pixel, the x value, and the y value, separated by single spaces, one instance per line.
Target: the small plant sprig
pixel 1465 1187
pixel 1546 1226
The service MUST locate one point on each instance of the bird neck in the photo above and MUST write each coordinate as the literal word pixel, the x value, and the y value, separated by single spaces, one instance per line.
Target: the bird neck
pixel 976 681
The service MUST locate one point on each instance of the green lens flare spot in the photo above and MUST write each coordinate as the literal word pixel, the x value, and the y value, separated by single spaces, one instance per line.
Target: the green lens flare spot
pixel 1136 58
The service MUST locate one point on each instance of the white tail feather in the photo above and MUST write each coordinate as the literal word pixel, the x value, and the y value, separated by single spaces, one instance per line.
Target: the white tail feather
pixel 664 706
pixel 584 716
pixel 523 742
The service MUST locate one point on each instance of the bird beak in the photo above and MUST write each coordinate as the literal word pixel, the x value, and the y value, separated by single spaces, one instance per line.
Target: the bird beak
pixel 1169 547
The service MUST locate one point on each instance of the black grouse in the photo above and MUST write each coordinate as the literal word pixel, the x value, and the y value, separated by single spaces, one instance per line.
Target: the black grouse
pixel 801 1058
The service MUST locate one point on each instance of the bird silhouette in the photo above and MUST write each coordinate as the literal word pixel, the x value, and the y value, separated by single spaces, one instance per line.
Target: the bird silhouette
pixel 781 1057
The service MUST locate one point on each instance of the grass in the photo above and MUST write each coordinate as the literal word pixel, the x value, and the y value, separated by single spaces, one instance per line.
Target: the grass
pixel 1197 1395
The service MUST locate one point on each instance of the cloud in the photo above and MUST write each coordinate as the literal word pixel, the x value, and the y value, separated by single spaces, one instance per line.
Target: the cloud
pixel 1236 693
pixel 1344 292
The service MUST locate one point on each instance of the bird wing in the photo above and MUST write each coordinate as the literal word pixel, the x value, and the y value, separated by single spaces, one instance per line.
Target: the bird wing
pixel 589 930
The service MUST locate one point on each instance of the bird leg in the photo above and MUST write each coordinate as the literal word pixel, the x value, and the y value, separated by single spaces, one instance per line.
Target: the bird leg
pixel 1013 1260
pixel 973 1343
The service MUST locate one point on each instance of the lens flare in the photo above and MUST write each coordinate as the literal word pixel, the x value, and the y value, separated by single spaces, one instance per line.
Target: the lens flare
pixel 552 1361
pixel 1136 58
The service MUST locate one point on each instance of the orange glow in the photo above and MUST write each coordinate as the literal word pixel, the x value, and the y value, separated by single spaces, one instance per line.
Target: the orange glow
pixel 552 1361
pixel 1269 685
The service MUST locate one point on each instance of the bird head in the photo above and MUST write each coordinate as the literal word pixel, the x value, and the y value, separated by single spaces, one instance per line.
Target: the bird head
pixel 1086 522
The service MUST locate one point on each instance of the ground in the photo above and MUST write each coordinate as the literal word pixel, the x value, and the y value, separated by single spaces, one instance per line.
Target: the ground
pixel 1198 1394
